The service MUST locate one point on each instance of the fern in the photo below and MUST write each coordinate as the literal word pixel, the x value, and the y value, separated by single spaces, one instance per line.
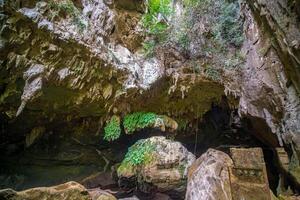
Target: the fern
pixel 139 153
pixel 138 120
pixel 112 130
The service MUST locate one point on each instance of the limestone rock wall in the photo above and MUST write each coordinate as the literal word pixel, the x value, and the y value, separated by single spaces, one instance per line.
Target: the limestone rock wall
pixel 80 65
pixel 268 83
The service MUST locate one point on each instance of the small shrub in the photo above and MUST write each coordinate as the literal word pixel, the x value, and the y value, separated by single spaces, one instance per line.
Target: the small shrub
pixel 229 28
pixel 158 11
pixel 112 130
pixel 155 20
pixel 138 120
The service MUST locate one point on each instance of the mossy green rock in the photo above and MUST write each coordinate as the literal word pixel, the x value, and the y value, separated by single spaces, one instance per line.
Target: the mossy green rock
pixel 159 162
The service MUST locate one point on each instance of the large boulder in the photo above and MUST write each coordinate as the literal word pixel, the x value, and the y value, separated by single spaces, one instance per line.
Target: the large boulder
pixel 208 177
pixel 216 176
pixel 70 190
pixel 157 164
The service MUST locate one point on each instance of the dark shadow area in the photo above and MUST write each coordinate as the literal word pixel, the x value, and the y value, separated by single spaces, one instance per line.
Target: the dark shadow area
pixel 56 158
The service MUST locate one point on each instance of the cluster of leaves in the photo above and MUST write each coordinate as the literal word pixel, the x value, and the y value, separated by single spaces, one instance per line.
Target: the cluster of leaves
pixel 139 153
pixel 212 73
pixel 138 120
pixel 67 7
pixel 193 3
pixel 149 47
pixel 229 28
pixel 112 130
pixel 182 38
pixel 181 34
pixel 154 22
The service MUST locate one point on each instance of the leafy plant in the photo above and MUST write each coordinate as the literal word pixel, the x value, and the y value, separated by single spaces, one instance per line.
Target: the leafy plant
pixel 154 22
pixel 157 12
pixel 139 153
pixel 148 48
pixel 112 130
pixel 229 28
pixel 212 73
pixel 138 120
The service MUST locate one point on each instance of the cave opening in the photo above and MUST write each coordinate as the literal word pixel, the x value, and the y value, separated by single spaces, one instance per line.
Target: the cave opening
pixel 61 158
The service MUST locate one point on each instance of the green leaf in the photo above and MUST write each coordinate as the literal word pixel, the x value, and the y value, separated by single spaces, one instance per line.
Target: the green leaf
pixel 112 130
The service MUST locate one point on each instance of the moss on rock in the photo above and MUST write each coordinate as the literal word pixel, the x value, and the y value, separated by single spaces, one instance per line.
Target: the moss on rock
pixel 157 161
pixel 140 120
pixel 112 130
pixel 138 154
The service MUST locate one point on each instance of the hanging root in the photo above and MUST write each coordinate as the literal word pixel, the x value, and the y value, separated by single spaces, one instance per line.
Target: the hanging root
pixel 105 159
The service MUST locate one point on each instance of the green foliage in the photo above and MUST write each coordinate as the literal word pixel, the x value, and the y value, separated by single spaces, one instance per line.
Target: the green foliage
pixel 154 21
pixel 183 40
pixel 139 153
pixel 212 73
pixel 67 7
pixel 112 130
pixel 229 28
pixel 138 120
pixel 190 3
pixel 182 33
pixel 148 48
